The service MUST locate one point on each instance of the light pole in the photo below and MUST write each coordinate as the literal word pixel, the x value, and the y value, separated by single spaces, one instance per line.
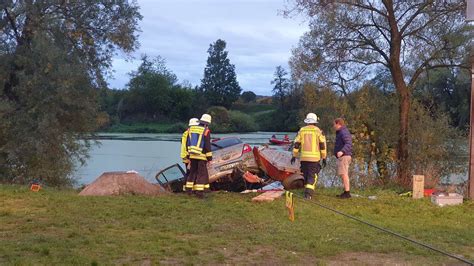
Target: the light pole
pixel 471 135
pixel 470 17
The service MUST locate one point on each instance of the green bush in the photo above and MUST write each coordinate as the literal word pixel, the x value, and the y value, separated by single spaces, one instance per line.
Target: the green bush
pixel 177 128
pixel 220 115
pixel 265 121
pixel 252 107
pixel 224 121
pixel 241 122
pixel 220 119
pixel 276 120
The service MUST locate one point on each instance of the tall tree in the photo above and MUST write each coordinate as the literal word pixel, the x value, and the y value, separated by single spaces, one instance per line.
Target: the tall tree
pixel 54 55
pixel 248 96
pixel 348 38
pixel 154 94
pixel 220 81
pixel 150 88
pixel 281 85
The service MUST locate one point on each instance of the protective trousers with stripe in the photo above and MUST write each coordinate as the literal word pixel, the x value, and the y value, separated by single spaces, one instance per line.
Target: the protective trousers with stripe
pixel 198 178
pixel 310 172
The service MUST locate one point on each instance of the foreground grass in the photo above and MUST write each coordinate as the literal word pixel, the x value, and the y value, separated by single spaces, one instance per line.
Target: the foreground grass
pixel 60 227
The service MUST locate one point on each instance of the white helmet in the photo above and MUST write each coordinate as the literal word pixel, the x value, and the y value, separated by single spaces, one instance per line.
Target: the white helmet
pixel 205 118
pixel 311 118
pixel 193 122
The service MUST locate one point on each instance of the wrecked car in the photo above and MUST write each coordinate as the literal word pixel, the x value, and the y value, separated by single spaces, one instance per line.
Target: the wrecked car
pixel 232 158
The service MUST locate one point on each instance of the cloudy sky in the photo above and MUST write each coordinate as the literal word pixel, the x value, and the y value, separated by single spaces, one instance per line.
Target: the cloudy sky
pixel 258 38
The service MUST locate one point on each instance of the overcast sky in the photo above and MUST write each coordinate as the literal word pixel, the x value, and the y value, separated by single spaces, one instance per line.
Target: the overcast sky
pixel 258 38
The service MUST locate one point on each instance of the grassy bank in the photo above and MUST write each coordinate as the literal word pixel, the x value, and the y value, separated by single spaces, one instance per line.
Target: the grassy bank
pixel 241 118
pixel 52 227
pixel 147 128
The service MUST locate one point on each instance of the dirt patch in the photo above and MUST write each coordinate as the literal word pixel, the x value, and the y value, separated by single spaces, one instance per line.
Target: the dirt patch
pixel 121 183
pixel 132 261
pixel 263 255
pixel 367 258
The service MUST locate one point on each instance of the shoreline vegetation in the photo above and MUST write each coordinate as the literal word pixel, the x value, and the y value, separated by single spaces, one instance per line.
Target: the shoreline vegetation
pixel 241 118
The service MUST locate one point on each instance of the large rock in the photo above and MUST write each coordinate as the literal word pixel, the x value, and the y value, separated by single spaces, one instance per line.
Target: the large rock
pixel 121 183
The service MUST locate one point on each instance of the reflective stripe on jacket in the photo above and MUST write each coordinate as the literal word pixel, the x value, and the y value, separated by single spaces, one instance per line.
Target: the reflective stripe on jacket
pixel 199 143
pixel 310 144
pixel 184 148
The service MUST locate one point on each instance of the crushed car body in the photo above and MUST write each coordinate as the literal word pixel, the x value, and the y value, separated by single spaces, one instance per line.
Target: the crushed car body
pixel 232 160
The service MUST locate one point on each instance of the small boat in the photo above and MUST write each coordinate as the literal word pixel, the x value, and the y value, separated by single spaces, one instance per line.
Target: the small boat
pixel 285 141
pixel 276 165
pixel 279 141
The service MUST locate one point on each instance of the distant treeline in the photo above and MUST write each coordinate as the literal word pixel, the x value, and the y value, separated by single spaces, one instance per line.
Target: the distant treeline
pixel 154 97
pixel 154 102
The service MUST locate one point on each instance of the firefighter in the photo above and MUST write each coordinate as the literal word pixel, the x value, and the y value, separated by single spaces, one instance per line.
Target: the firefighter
pixel 199 149
pixel 310 146
pixel 184 149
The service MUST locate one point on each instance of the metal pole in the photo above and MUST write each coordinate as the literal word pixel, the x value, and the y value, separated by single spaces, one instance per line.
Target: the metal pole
pixel 470 181
pixel 471 135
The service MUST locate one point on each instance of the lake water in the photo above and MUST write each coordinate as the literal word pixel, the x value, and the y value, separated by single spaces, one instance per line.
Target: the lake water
pixel 149 153
pixel 145 153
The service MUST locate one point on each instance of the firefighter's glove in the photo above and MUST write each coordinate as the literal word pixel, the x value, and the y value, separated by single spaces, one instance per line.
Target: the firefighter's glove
pixel 293 159
pixel 324 163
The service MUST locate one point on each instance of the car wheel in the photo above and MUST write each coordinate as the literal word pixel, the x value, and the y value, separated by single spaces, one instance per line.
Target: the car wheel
pixel 294 181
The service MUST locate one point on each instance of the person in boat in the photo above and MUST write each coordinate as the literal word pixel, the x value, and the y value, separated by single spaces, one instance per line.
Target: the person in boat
pixel 343 153
pixel 184 148
pixel 310 147
pixel 199 149
pixel 286 138
pixel 273 136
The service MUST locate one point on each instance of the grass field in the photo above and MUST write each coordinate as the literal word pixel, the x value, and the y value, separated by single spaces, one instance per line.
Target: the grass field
pixel 251 108
pixel 60 227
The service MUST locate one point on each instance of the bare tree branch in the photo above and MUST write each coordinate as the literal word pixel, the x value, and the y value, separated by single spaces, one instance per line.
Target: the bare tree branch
pixel 412 17
pixel 13 25
pixel 406 11
pixel 379 27
pixel 362 6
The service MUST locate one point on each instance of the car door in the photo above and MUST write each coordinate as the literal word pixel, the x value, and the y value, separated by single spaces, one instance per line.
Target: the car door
pixel 172 178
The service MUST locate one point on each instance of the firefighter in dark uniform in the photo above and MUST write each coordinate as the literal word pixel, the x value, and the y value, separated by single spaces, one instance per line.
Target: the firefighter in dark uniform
pixel 199 149
pixel 310 146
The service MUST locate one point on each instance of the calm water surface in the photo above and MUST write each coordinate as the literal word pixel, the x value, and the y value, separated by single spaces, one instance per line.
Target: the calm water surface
pixel 149 153
pixel 145 153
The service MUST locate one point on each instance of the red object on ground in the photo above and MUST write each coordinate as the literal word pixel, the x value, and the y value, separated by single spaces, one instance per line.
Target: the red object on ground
pixel 279 141
pixel 35 187
pixel 428 192
pixel 251 178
